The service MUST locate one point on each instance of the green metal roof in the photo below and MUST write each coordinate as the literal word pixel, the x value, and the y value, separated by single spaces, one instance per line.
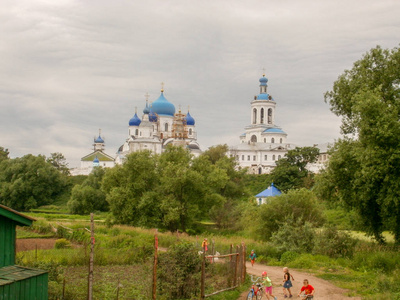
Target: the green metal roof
pixel 100 155
pixel 11 274
pixel 11 214
pixel 5 281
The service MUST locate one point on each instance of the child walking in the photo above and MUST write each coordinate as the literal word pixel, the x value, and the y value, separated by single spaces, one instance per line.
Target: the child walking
pixel 204 245
pixel 287 283
pixel 252 257
pixel 267 285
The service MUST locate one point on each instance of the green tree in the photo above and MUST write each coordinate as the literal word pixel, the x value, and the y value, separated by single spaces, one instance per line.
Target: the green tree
pixel 295 236
pixel 224 185
pixel 298 206
pixel 127 186
pixel 4 154
pixel 291 171
pixel 29 182
pixel 364 166
pixel 88 196
pixel 59 162
pixel 174 190
pixel 181 189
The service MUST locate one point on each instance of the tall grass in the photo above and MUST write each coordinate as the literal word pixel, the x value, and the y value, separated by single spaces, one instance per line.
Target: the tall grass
pixel 373 270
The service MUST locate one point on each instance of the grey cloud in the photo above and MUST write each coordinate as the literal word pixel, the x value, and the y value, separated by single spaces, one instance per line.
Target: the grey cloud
pixel 72 67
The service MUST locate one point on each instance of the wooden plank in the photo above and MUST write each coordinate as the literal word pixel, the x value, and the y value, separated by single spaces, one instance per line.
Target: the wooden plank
pixel 219 256
pixel 2 241
pixel 33 286
pixel 220 291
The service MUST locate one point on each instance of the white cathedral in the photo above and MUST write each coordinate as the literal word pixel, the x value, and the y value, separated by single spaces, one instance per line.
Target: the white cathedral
pixel 159 127
pixel 263 142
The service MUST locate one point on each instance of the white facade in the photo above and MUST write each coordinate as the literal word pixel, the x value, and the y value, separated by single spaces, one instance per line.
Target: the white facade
pixel 159 127
pixel 98 158
pixel 263 142
pixel 323 158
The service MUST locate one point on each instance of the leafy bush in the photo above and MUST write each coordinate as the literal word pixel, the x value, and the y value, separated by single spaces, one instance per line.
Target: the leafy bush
pixel 288 257
pixel 42 226
pixel 384 261
pixel 62 244
pixel 294 236
pixel 304 261
pixel 264 251
pixel 342 218
pixel 300 206
pixel 88 196
pixel 179 272
pixel 329 241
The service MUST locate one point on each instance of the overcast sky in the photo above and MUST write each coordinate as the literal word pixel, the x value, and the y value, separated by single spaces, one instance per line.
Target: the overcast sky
pixel 69 68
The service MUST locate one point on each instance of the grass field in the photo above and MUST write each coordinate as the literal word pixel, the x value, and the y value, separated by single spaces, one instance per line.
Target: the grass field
pixel 124 254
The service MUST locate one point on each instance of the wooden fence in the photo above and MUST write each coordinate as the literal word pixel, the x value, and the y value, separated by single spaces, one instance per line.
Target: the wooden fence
pixel 237 262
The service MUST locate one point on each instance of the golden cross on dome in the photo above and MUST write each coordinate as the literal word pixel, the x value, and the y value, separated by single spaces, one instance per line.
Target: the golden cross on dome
pixel 135 109
pixel 147 96
pixel 162 86
pixel 263 71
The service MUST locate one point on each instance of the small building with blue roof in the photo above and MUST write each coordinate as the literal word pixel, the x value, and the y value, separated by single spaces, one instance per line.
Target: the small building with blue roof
pixel 271 191
pixel 97 158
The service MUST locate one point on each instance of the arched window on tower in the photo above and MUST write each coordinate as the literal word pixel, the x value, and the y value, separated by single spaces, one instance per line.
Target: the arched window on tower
pixel 270 116
pixel 253 139
pixel 265 140
pixel 262 116
pixel 136 131
pixel 272 141
pixel 259 170
pixel 273 157
pixel 190 131
pixel 166 127
pixel 280 140
pixel 254 116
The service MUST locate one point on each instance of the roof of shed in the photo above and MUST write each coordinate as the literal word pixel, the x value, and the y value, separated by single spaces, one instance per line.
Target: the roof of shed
pixel 11 274
pixel 15 216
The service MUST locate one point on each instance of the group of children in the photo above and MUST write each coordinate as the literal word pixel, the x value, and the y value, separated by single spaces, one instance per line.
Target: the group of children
pixel 307 289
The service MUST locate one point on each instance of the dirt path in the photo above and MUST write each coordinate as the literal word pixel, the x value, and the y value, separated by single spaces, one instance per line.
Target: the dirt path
pixel 32 244
pixel 323 289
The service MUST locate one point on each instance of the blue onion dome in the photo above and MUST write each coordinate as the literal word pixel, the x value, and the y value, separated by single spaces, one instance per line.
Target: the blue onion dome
pixel 96 160
pixel 263 80
pixel 146 110
pixel 163 107
pixel 99 140
pixel 135 121
pixel 189 119
pixel 152 115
